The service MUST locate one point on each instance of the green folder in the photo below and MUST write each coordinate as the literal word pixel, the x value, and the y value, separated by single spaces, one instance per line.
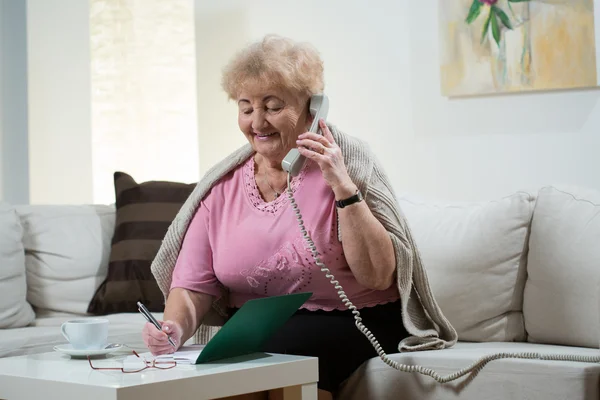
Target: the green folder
pixel 251 326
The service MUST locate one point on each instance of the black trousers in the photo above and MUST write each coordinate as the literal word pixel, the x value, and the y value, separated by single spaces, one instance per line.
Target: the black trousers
pixel 333 337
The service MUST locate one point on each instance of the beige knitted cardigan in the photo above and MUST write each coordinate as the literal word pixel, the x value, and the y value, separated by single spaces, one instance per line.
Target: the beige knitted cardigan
pixel 422 317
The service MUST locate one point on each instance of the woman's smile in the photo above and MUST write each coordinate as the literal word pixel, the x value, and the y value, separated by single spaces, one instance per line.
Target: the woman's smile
pixel 265 136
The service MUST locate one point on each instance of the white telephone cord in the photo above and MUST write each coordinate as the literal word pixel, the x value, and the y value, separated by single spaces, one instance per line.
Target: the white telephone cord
pixel 475 367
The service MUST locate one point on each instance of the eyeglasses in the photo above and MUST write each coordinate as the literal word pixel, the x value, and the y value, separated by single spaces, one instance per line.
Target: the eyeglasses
pixel 143 364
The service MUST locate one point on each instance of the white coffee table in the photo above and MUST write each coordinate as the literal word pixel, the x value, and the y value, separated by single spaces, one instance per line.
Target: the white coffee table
pixel 55 375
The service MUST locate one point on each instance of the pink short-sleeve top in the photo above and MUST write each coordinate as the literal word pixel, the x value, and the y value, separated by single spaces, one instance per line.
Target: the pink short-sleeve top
pixel 256 249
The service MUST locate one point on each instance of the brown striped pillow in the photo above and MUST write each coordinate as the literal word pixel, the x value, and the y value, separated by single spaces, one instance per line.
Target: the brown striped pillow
pixel 144 212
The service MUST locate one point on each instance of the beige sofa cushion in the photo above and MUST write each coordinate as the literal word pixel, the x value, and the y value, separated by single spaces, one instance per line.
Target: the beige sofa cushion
pixel 45 333
pixel 475 257
pixel 15 312
pixel 67 249
pixel 498 380
pixel 561 293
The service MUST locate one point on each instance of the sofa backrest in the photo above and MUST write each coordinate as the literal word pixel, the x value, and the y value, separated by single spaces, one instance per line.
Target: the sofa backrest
pixel 519 268
pixel 15 311
pixel 561 301
pixel 475 255
pixel 66 253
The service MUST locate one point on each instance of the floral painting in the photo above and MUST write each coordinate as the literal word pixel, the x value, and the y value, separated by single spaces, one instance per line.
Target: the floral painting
pixel 496 46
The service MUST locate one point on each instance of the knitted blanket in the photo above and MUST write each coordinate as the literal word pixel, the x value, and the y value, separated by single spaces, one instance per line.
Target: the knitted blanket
pixel 423 319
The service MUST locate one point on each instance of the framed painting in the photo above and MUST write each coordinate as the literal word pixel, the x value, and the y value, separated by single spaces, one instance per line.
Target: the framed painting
pixel 499 46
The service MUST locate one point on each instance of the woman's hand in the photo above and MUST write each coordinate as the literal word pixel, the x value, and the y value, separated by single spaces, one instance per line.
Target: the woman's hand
pixel 325 152
pixel 157 341
pixel 367 245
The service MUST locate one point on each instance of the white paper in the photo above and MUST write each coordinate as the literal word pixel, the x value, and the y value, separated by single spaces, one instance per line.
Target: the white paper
pixel 185 355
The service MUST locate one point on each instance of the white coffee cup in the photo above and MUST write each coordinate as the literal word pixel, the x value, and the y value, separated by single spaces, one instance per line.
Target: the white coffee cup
pixel 86 334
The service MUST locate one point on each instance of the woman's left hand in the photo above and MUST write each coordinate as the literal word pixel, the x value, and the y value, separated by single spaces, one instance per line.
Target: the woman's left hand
pixel 327 154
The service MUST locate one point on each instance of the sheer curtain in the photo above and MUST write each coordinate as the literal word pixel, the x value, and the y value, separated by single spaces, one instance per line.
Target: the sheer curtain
pixel 143 78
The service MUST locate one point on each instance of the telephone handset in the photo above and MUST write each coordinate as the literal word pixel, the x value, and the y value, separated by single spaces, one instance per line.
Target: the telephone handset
pixel 292 163
pixel 319 107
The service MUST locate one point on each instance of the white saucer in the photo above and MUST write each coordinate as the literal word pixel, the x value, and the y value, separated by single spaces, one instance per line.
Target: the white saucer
pixel 68 349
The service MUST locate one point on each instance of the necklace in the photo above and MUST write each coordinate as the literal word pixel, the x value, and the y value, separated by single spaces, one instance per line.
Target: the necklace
pixel 277 193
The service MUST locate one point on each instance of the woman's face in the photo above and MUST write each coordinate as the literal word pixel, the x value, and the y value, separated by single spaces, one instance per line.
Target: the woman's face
pixel 271 119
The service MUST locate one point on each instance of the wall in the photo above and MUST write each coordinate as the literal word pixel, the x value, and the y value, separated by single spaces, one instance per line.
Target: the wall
pixel 382 77
pixel 139 76
pixel 60 153
pixel 366 73
pixel 14 168
pixel 2 58
pixel 489 146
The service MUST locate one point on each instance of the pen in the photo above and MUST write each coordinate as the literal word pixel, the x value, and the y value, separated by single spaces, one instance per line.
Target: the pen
pixel 152 320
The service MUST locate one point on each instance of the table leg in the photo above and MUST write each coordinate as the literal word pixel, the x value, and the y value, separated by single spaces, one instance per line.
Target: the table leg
pixel 300 392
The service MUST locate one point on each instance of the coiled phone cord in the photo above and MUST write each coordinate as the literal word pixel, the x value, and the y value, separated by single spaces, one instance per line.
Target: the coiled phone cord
pixel 475 367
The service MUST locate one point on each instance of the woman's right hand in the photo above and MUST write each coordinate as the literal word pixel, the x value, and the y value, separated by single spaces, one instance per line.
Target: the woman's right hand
pixel 157 340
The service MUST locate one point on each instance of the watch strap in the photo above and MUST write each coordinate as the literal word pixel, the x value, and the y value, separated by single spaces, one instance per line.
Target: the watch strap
pixel 358 197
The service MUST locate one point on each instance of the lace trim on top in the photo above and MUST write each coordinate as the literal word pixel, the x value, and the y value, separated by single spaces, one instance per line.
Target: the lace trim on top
pixel 254 194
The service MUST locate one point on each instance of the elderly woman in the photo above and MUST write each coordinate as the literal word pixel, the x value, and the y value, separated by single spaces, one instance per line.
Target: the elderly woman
pixel 237 237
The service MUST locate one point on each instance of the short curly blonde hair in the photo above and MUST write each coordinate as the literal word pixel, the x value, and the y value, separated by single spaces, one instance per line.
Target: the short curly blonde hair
pixel 275 61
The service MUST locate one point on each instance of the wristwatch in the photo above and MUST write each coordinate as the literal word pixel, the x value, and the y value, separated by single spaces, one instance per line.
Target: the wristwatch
pixel 358 197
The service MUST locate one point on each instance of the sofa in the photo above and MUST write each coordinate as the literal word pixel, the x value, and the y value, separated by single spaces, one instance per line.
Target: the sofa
pixel 515 274
pixel 52 260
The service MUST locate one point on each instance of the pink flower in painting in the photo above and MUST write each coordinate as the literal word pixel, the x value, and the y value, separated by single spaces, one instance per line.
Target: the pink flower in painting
pixel 488 2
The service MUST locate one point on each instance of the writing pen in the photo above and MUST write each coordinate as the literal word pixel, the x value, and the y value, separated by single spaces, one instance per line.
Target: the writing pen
pixel 152 320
